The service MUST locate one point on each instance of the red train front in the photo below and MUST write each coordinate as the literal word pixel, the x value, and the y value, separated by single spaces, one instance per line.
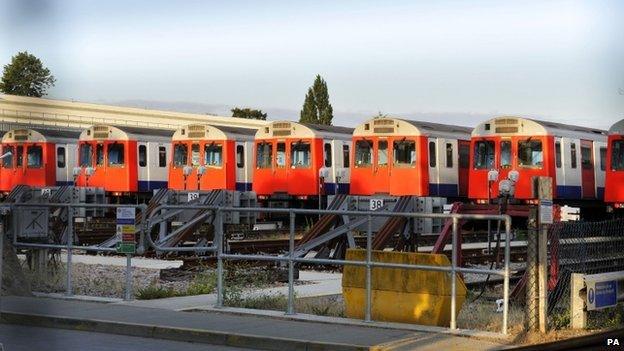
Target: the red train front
pixel 123 160
pixel 37 158
pixel 614 188
pixel 570 155
pixel 207 157
pixel 290 155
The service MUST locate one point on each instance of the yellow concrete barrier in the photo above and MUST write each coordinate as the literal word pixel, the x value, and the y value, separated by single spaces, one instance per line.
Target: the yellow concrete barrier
pixel 401 295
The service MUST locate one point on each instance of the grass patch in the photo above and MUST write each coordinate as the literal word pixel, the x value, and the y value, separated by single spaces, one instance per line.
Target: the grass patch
pixel 155 292
pixel 329 306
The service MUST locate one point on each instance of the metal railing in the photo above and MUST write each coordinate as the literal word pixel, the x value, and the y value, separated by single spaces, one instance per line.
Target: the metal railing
pixel 290 259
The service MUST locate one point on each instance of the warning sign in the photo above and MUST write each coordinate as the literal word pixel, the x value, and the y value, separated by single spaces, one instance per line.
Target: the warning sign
pixel 126 230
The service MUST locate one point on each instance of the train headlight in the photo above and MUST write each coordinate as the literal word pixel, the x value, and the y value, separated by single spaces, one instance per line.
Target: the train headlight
pixel 513 176
pixel 76 171
pixel 201 170
pixel 506 188
pixel 89 171
pixel 493 175
pixel 187 170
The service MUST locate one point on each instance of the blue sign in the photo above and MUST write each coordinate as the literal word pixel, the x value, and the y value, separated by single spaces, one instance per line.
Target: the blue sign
pixel 125 220
pixel 605 294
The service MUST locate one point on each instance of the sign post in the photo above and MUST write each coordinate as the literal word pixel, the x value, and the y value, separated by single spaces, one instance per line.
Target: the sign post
pixel 126 230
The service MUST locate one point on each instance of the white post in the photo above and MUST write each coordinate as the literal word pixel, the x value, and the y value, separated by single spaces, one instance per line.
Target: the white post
pixel 578 315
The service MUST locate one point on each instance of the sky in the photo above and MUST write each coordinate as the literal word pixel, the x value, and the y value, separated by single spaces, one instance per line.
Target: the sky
pixel 456 62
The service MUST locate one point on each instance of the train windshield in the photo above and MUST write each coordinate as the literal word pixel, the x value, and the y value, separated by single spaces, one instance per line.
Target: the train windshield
pixel 617 155
pixel 530 153
pixel 382 153
pixel 115 154
pixel 212 155
pixel 195 155
pixel 86 155
pixel 300 155
pixel 19 156
pixel 484 154
pixel 280 157
pixel 99 154
pixel 34 156
pixel 404 153
pixel 505 161
pixel 7 162
pixel 180 154
pixel 363 153
pixel 264 154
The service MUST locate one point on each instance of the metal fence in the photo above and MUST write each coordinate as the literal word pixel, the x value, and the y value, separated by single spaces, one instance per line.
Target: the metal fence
pixel 217 248
pixel 580 247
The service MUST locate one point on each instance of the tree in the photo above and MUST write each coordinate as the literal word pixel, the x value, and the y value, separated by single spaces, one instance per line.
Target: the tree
pixel 26 76
pixel 248 113
pixel 316 107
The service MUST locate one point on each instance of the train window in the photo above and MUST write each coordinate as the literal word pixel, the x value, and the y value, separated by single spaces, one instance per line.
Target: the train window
pixel 603 158
pixel 240 156
pixel 328 155
pixel 464 156
pixel 180 155
pixel 617 155
pixel 34 157
pixel 212 155
pixel 586 157
pixel 573 155
pixel 162 156
pixel 264 154
pixel 60 157
pixel 558 154
pixel 530 153
pixel 115 154
pixel 195 155
pixel 432 154
pixel 300 155
pixel 484 154
pixel 449 155
pixel 505 161
pixel 99 154
pixel 404 153
pixel 86 155
pixel 142 155
pixel 20 156
pixel 363 153
pixel 7 162
pixel 280 157
pixel 345 156
pixel 382 153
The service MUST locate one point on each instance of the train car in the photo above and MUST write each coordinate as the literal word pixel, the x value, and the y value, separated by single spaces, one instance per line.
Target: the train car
pixel 123 160
pixel 37 157
pixel 299 160
pixel 399 157
pixel 614 188
pixel 573 156
pixel 208 157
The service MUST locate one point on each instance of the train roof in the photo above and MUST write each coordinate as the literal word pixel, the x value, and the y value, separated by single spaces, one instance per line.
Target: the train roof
pixel 289 129
pixel 39 135
pixel 386 126
pixel 205 131
pixel 511 125
pixel 617 128
pixel 109 132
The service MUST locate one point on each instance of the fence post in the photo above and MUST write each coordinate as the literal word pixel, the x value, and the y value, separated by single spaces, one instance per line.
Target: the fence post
pixel 291 265
pixel 543 277
pixel 218 236
pixel 1 257
pixel 578 315
pixel 128 295
pixel 531 308
pixel 70 242
pixel 506 277
pixel 453 277
pixel 369 234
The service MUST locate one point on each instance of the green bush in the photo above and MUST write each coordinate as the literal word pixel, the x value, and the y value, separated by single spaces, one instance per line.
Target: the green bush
pixel 155 292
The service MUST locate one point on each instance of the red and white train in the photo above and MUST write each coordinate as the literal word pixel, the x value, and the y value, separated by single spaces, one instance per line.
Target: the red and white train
pixel 37 157
pixel 207 158
pixel 614 187
pixel 573 156
pixel 298 161
pixel 123 160
pixel 400 157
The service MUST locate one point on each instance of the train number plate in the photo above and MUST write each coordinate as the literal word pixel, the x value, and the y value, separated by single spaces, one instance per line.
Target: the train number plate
pixel 193 196
pixel 376 204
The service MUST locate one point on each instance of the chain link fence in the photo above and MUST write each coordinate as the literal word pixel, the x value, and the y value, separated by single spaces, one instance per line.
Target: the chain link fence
pixel 580 247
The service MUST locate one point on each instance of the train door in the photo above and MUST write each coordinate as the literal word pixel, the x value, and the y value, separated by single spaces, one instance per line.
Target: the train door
pixel 242 177
pixel 434 179
pixel 588 179
pixel 464 166
pixel 143 167
pixel 381 168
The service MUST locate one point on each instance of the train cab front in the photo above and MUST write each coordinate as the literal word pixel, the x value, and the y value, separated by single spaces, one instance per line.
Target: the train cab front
pixel 614 191
pixel 508 152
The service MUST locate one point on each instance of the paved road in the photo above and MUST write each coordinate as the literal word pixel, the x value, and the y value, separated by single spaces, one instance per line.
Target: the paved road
pixel 23 338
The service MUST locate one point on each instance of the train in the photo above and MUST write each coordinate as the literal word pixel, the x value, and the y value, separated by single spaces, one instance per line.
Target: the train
pixel 286 163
